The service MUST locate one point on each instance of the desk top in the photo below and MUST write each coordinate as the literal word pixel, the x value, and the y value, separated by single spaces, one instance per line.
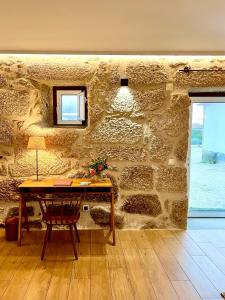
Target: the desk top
pixel 75 183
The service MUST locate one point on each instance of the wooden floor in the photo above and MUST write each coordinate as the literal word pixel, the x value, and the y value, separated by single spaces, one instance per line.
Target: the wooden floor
pixel 162 265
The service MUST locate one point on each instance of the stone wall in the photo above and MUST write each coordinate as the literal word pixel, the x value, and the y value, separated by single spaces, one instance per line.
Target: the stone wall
pixel 139 128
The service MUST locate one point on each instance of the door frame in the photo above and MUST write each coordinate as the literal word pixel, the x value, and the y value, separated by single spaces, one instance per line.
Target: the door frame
pixel 201 97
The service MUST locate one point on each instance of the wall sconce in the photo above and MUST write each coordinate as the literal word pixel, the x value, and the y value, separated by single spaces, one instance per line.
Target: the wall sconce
pixel 36 143
pixel 124 82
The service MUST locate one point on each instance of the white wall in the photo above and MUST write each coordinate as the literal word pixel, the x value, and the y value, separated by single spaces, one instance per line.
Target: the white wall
pixel 214 127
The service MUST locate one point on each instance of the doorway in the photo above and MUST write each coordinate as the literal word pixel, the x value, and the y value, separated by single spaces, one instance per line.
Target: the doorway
pixel 207 155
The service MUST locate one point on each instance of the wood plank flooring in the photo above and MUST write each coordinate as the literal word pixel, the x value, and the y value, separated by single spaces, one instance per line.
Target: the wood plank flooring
pixel 147 264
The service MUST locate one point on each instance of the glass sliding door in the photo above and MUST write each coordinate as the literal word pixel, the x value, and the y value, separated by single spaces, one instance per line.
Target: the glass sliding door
pixel 207 159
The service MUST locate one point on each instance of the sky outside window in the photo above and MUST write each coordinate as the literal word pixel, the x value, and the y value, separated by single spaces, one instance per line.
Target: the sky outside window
pixel 70 107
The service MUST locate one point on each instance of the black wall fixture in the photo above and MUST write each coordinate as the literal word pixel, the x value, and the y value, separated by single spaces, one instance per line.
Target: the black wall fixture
pixel 124 82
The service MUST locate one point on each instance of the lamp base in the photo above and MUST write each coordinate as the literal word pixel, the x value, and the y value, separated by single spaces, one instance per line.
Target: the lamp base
pixel 38 179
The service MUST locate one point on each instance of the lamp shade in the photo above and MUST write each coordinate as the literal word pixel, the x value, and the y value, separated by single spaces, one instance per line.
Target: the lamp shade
pixel 36 143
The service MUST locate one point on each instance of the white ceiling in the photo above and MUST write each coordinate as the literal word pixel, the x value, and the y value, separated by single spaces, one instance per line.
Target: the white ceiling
pixel 123 26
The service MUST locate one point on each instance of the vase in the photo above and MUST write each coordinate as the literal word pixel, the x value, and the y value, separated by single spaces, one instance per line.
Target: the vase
pixel 98 177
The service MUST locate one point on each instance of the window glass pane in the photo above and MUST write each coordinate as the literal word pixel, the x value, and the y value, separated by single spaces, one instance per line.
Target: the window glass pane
pixel 70 107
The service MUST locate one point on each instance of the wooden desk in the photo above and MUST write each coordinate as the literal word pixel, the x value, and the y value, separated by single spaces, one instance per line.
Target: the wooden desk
pixel 31 188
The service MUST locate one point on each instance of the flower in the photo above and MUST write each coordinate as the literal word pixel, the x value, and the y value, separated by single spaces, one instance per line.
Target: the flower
pixel 97 166
pixel 100 167
pixel 92 172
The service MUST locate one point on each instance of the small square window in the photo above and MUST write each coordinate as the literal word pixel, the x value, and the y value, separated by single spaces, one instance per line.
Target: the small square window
pixel 70 105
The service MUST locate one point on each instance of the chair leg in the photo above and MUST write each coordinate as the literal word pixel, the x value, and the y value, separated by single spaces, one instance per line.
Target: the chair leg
pixel 45 242
pixel 50 233
pixel 73 241
pixel 77 234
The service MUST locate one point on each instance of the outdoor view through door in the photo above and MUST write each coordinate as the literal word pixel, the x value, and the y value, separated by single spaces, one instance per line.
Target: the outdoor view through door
pixel 207 158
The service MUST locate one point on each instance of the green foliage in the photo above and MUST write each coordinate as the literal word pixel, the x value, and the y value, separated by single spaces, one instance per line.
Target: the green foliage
pixel 196 136
pixel 97 166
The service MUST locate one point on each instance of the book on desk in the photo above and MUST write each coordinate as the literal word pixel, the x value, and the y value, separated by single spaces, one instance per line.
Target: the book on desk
pixel 63 182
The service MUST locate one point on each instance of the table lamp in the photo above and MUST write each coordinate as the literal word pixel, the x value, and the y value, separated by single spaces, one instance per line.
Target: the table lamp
pixel 36 143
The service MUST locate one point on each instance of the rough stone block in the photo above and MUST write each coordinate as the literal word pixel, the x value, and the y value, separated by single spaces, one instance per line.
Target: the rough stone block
pixel 124 102
pixel 6 150
pixel 61 137
pixel 101 215
pixel 6 132
pixel 39 107
pixel 108 72
pixel 150 225
pixel 24 84
pixel 13 211
pixel 3 170
pixel 95 113
pixel 4 208
pixel 146 204
pixel 13 68
pixel 171 179
pixel 44 102
pixel 144 72
pixel 182 148
pixel 54 137
pixel 25 164
pixel 99 198
pixel 137 178
pixel 179 212
pixel 13 102
pixel 199 79
pixel 3 81
pixel 9 190
pixel 159 148
pixel 182 100
pixel 78 151
pixel 161 222
pixel 149 100
pixel 61 70
pixel 117 130
pixel 174 121
pixel 124 153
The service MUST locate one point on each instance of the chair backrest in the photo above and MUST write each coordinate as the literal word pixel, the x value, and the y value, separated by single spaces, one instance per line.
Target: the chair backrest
pixel 60 209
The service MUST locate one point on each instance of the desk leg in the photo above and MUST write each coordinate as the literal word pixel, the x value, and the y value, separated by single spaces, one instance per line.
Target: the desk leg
pixel 24 210
pixel 113 219
pixel 20 221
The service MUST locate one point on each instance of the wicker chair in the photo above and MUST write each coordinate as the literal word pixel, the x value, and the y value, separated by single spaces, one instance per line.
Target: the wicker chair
pixel 64 211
